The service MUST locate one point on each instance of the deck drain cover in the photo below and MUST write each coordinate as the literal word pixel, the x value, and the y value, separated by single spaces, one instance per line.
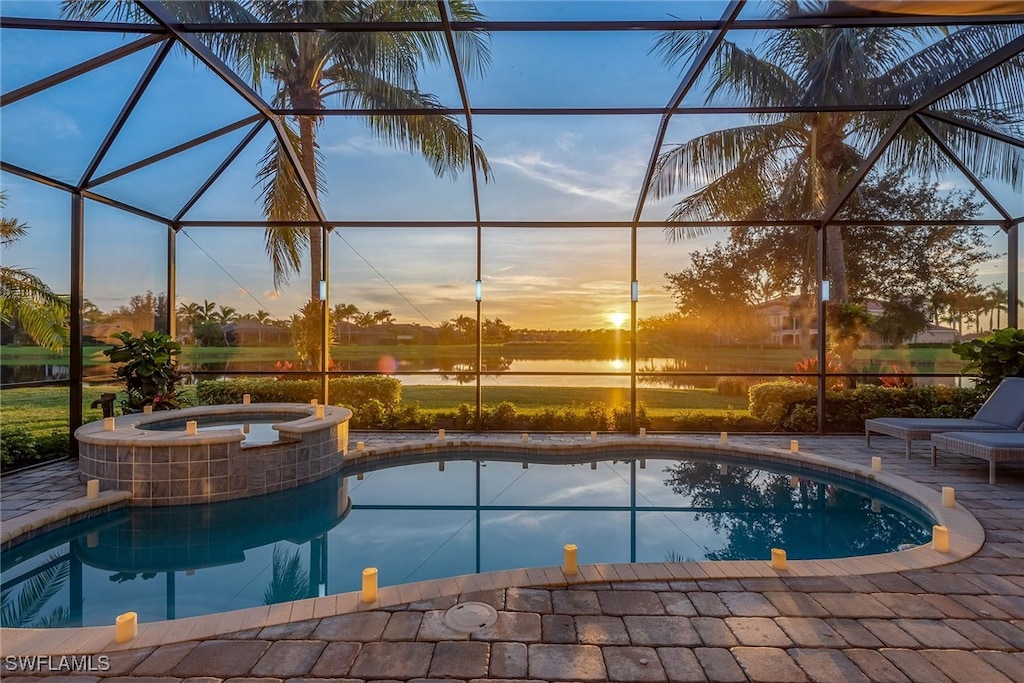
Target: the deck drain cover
pixel 467 617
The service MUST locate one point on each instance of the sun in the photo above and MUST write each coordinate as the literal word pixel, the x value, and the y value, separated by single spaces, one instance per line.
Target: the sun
pixel 618 319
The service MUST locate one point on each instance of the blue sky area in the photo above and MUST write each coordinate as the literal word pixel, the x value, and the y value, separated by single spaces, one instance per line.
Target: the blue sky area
pixel 545 168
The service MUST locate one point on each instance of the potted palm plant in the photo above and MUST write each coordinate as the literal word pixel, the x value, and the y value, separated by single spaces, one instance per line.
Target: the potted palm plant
pixel 150 371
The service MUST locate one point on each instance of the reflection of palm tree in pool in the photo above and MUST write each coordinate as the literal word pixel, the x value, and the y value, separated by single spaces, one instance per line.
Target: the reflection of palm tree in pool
pixel 34 594
pixel 758 511
pixel 290 580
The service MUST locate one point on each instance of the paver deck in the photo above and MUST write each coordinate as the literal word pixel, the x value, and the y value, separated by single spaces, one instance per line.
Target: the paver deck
pixel 958 622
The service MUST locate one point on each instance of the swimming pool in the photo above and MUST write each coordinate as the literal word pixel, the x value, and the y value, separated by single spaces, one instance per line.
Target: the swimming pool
pixel 417 520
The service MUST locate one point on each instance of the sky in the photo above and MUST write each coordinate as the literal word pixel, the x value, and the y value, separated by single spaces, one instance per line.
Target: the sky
pixel 545 168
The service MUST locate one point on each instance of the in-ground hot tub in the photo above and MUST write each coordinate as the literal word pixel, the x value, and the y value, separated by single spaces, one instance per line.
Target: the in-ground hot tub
pixel 154 458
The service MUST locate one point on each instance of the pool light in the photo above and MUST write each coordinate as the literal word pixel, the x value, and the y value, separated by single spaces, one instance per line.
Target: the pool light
pixel 723 438
pixel 794 446
pixel 246 399
pixel 940 538
pixel 92 488
pixel 440 435
pixel 191 427
pixel 948 497
pixel 876 464
pixel 108 424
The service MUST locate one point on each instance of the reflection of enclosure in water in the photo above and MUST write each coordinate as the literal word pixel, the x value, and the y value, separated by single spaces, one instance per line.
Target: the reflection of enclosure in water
pixel 750 508
pixel 143 542
pixel 758 510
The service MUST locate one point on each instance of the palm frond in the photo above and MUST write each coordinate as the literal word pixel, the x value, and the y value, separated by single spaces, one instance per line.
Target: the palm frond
pixel 290 581
pixel 441 140
pixel 717 153
pixel 284 199
pixel 985 156
pixel 26 298
pixel 937 63
pixel 34 594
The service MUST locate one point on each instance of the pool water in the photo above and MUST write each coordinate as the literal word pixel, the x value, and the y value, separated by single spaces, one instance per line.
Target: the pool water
pixel 258 429
pixel 416 522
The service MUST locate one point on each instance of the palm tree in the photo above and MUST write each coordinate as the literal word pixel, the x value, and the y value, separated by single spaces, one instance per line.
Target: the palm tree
pixel 372 70
pixel 996 300
pixel 793 165
pixel 25 298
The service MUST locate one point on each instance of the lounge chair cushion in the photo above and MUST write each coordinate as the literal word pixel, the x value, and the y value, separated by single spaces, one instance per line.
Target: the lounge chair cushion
pixel 1005 406
pixel 915 428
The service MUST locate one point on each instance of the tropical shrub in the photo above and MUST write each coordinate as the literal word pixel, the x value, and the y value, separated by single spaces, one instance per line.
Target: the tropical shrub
pixel 991 358
pixel 620 416
pixel 150 371
pixel 771 402
pixel 17 447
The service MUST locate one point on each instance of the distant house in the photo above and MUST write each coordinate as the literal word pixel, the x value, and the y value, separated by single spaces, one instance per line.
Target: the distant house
pixel 784 328
pixel 935 334
pixel 253 333
pixel 385 335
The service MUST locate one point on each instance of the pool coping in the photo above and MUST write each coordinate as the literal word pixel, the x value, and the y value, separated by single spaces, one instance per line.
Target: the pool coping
pixel 966 537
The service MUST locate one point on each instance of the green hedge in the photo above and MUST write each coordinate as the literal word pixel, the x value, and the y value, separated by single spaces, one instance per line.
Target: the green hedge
pixel 772 402
pixel 351 392
pixel 19 448
pixel 791 406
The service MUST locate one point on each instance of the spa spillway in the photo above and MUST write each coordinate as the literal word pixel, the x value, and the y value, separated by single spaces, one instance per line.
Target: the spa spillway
pixel 156 458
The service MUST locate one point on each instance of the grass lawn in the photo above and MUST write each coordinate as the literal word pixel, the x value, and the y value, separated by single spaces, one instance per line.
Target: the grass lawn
pixel 42 410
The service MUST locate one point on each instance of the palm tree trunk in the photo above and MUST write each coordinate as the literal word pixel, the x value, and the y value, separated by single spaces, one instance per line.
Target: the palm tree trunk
pixel 836 260
pixel 307 137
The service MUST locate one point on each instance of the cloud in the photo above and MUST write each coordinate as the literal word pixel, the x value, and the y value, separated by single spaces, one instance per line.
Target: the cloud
pixel 359 145
pixel 606 182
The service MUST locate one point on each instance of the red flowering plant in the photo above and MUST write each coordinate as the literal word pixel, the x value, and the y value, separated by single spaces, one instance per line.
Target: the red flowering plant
pixel 833 365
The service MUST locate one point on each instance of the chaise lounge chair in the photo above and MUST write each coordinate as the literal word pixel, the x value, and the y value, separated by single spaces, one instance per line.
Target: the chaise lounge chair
pixel 992 446
pixel 1002 412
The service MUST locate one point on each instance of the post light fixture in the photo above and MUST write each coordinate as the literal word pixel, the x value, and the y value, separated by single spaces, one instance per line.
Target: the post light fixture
pixel 478 292
pixel 323 290
pixel 825 290
pixel 634 291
